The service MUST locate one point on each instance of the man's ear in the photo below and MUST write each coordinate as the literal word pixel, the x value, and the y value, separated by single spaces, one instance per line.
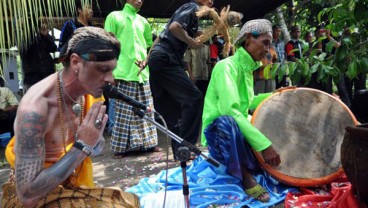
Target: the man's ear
pixel 248 38
pixel 74 60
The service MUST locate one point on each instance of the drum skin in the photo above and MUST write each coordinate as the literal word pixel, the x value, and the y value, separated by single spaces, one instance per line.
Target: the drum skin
pixel 354 157
pixel 306 127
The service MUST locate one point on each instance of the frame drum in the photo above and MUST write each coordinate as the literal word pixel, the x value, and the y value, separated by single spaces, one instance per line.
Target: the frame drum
pixel 306 127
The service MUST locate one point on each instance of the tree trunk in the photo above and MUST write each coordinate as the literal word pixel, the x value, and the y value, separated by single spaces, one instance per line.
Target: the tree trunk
pixel 284 27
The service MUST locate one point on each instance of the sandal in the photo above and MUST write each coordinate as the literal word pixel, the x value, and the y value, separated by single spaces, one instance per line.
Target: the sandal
pixel 258 193
pixel 118 155
pixel 154 149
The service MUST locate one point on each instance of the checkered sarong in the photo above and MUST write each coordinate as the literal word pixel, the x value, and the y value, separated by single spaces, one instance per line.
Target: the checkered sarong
pixel 132 133
pixel 67 195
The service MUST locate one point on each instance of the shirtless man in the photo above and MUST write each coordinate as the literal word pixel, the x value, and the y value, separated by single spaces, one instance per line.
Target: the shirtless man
pixel 54 135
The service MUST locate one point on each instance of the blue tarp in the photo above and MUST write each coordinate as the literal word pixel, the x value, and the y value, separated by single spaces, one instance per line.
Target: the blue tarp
pixel 208 185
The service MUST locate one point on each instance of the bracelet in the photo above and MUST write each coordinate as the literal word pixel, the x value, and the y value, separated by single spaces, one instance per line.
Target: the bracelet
pixel 81 145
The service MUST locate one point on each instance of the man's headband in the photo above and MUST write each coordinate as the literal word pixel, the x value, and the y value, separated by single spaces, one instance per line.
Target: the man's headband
pixel 255 27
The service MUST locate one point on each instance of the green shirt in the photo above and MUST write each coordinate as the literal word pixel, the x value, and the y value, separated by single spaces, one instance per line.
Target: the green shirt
pixel 135 36
pixel 7 98
pixel 230 92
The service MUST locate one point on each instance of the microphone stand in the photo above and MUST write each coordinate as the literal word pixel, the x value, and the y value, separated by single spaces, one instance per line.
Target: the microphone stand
pixel 183 152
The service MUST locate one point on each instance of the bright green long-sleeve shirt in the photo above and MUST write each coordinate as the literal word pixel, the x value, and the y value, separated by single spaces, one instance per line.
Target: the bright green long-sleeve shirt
pixel 230 92
pixel 135 36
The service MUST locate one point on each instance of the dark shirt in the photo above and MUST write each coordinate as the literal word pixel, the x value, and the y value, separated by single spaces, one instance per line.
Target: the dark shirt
pixel 37 63
pixel 324 45
pixel 291 45
pixel 186 17
pixel 68 31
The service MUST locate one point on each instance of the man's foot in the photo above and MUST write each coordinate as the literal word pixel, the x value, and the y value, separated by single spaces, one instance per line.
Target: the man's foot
pixel 258 193
pixel 154 149
pixel 118 155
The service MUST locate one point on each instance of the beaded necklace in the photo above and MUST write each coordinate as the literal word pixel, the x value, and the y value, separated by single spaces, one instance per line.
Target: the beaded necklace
pixel 77 108
pixel 61 103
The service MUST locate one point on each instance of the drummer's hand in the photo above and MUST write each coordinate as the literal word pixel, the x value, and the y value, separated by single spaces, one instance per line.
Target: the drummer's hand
pixel 141 64
pixel 336 96
pixel 284 88
pixel 271 157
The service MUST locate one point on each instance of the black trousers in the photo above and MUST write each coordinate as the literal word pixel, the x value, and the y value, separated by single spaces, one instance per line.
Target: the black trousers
pixel 175 97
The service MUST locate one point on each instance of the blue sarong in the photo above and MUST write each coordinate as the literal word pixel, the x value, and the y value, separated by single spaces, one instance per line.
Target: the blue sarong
pixel 210 185
pixel 228 146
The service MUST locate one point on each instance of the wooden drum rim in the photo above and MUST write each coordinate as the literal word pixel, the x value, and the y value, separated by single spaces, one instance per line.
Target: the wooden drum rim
pixel 290 180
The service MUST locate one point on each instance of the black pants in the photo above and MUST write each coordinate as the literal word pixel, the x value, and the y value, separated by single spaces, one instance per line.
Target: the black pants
pixel 175 97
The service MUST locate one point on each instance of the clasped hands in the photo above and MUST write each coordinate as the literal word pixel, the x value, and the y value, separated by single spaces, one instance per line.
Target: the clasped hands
pixel 91 129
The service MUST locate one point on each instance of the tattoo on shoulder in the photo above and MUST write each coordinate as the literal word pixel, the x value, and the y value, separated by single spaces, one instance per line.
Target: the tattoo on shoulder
pixel 30 147
pixel 30 135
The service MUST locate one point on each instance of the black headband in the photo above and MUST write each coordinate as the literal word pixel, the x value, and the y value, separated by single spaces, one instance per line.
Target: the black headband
pixel 94 49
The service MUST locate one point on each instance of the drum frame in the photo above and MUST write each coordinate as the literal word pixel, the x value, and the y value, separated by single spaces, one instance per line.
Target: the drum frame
pixel 295 181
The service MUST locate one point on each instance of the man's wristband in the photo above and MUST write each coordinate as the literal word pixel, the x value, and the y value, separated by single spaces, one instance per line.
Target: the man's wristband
pixel 79 144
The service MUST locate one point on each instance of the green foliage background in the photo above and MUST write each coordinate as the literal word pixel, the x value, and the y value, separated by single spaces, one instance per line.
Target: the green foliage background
pixel 342 15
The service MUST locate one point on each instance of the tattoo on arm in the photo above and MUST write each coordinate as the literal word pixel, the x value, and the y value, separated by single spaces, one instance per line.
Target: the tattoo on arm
pixel 32 180
pixel 30 148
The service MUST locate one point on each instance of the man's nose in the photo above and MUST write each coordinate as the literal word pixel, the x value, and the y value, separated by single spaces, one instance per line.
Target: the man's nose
pixel 109 78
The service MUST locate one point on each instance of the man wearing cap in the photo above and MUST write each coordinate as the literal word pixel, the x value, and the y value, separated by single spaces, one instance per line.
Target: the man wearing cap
pixel 175 95
pixel 226 128
pixel 130 132
pixel 57 129
pixel 294 48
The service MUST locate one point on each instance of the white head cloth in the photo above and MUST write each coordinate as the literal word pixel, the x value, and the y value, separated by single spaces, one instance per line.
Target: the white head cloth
pixel 256 26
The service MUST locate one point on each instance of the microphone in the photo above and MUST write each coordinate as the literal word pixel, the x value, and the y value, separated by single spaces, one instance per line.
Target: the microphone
pixel 111 92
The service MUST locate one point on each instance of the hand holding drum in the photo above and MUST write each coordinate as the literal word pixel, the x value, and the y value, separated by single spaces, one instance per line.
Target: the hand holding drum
pixel 271 157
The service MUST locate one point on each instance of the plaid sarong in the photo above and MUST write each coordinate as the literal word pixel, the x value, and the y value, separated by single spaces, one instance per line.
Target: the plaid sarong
pixel 67 195
pixel 62 197
pixel 132 133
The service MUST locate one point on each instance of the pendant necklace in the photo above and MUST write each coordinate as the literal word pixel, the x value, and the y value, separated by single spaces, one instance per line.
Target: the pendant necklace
pixel 77 108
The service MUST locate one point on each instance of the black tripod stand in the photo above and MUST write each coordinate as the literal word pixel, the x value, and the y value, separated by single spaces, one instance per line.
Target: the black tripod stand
pixel 183 153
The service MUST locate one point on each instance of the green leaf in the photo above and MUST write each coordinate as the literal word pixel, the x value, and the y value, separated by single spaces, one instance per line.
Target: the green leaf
pixel 364 62
pixel 331 71
pixel 352 70
pixel 274 70
pixel 295 77
pixel 330 45
pixel 314 68
pixel 341 53
pixel 292 66
pixel 282 70
pixel 306 67
pixel 322 56
pixel 322 76
pixel 363 65
pixel 266 71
